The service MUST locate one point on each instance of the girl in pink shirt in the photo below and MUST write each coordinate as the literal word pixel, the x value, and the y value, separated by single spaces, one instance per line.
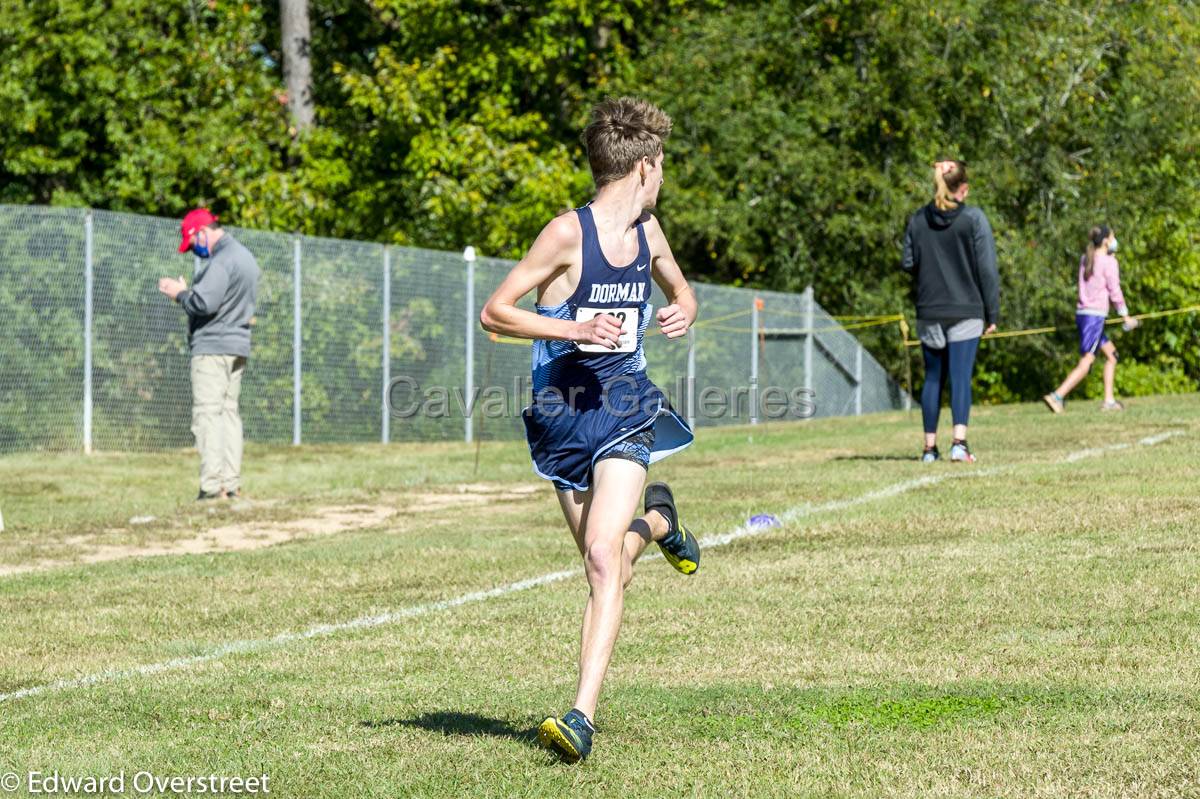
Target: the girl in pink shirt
pixel 1099 284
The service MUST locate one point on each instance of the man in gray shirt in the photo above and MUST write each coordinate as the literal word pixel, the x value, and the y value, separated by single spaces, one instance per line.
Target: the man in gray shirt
pixel 220 309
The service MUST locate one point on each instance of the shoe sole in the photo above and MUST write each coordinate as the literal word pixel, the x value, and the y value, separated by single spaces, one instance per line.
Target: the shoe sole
pixel 1050 404
pixel 552 738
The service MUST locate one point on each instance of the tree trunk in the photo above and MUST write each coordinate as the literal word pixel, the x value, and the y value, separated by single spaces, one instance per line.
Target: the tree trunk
pixel 297 62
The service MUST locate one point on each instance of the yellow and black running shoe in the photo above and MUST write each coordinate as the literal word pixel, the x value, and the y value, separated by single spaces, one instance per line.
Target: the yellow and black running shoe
pixel 679 547
pixel 569 737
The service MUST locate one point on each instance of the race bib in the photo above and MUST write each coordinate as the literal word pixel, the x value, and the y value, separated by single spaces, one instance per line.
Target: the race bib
pixel 628 317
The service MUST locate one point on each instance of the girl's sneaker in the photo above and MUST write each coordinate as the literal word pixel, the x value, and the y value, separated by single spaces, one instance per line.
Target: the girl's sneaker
pixel 930 455
pixel 1115 405
pixel 959 451
pixel 1053 402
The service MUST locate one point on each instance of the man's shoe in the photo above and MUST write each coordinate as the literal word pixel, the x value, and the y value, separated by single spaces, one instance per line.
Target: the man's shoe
pixel 569 737
pixel 207 495
pixel 679 547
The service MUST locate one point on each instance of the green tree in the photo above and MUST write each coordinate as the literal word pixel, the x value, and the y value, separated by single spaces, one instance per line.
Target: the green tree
pixel 805 137
pixel 804 134
pixel 135 105
pixel 443 123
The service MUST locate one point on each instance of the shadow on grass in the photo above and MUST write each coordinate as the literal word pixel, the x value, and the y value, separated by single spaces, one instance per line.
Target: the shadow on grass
pixel 452 723
pixel 876 458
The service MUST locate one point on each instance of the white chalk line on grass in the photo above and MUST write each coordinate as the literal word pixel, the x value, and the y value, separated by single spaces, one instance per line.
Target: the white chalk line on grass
pixel 1148 441
pixel 1094 452
pixel 366 622
pixel 320 630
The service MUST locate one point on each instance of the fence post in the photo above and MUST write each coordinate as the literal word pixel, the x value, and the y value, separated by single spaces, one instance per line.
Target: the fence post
pixel 858 356
pixel 297 318
pixel 754 361
pixel 88 285
pixel 691 378
pixel 469 339
pixel 385 426
pixel 808 345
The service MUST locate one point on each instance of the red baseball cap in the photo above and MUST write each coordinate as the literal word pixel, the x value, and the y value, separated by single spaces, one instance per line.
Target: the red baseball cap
pixel 195 219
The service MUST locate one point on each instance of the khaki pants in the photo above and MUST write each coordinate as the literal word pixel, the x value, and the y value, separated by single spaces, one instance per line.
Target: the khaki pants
pixel 216 423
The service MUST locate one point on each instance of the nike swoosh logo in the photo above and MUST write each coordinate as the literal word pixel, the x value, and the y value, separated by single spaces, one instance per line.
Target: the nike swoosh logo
pixel 642 268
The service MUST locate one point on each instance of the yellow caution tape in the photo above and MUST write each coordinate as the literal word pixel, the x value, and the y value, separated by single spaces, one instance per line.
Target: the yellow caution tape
pixel 866 321
pixel 1034 331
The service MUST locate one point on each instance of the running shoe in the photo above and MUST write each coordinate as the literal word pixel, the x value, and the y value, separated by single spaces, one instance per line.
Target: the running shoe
pixel 569 737
pixel 1054 402
pixel 679 547
pixel 930 455
pixel 1115 405
pixel 959 451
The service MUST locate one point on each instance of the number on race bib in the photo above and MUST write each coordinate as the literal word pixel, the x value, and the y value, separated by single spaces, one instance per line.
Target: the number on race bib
pixel 628 319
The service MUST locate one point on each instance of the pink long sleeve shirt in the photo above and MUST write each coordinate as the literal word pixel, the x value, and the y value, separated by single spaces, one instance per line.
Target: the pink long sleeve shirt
pixel 1104 285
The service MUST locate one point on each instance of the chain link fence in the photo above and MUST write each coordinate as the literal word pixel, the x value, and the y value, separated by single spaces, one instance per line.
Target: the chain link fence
pixel 354 341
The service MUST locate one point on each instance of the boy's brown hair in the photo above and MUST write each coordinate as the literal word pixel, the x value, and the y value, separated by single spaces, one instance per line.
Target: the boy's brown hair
pixel 623 131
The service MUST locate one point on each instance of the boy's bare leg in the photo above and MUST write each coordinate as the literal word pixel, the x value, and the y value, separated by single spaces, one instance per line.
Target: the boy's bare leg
pixel 610 544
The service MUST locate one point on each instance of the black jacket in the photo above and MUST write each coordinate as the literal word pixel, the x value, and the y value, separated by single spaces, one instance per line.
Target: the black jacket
pixel 952 256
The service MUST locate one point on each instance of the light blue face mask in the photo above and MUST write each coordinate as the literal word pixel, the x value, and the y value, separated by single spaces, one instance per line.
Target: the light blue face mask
pixel 1113 246
pixel 201 250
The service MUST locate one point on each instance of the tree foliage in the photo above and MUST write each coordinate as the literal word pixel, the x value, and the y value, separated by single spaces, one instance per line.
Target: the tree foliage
pixel 134 105
pixel 808 133
pixel 804 134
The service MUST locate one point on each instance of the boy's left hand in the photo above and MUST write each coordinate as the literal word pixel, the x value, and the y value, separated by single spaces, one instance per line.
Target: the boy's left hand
pixel 673 321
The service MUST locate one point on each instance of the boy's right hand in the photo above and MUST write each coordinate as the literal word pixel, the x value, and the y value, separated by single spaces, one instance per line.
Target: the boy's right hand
pixel 602 329
pixel 1130 323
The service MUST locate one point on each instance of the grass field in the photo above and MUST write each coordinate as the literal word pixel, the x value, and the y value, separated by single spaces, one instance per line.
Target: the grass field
pixel 1026 626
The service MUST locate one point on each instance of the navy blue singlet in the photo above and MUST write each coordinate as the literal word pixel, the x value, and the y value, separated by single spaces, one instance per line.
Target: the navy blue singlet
pixel 588 399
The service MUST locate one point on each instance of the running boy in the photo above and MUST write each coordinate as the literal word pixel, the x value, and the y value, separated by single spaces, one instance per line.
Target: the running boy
pixel 596 421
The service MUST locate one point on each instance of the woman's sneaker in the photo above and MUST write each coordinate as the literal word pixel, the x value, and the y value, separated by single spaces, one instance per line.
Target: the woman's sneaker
pixel 930 455
pixel 1054 402
pixel 1115 405
pixel 569 737
pixel 959 451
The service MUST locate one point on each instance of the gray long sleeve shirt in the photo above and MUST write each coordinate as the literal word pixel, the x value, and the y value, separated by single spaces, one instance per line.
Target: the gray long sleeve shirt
pixel 221 301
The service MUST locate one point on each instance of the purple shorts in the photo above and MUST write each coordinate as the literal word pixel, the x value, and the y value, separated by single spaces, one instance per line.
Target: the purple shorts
pixel 1091 333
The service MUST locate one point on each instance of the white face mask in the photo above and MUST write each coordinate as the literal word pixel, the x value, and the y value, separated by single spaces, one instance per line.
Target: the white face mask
pixel 1112 246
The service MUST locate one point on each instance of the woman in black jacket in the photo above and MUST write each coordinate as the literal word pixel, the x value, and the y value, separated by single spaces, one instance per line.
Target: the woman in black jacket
pixel 950 252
